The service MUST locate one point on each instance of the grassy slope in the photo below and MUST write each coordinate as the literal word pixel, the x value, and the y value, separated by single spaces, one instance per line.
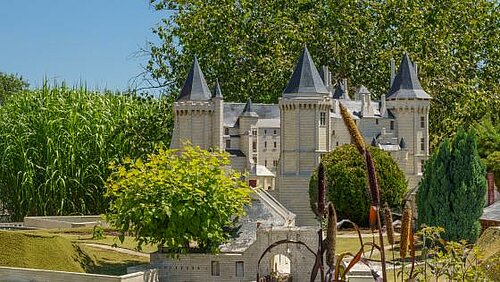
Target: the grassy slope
pixel 53 252
pixel 489 246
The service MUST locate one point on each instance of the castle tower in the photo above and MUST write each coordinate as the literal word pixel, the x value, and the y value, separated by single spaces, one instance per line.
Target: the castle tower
pixel 218 118
pixel 197 116
pixel 410 105
pixel 248 133
pixel 305 126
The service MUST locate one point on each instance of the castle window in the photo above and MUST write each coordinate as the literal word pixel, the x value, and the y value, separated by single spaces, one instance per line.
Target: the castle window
pixel 254 146
pixel 392 125
pixel 376 121
pixel 265 163
pixel 422 166
pixel 422 144
pixel 265 131
pixel 254 160
pixel 422 122
pixel 322 118
pixel 275 144
pixel 275 163
pixel 215 268
pixel 333 132
pixel 240 269
pixel 254 132
pixel 337 143
pixel 275 131
pixel 265 144
pixel 228 143
pixel 226 131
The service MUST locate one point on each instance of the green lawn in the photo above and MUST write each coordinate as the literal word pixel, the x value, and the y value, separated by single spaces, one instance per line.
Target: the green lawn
pixel 32 250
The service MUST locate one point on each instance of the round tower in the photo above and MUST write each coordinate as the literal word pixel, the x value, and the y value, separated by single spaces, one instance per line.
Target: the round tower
pixel 305 123
pixel 410 104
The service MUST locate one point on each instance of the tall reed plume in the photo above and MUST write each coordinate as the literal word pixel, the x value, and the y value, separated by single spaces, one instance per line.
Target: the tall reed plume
pixel 388 224
pixel 320 210
pixel 405 231
pixel 374 215
pixel 331 235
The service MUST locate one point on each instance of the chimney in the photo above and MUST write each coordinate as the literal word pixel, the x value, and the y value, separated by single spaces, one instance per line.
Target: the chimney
pixel 393 70
pixel 491 188
pixel 326 75
pixel 416 68
pixel 346 92
pixel 383 108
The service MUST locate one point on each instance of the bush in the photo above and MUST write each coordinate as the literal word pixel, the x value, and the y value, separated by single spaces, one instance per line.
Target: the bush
pixel 56 144
pixel 177 198
pixel 451 192
pixel 347 182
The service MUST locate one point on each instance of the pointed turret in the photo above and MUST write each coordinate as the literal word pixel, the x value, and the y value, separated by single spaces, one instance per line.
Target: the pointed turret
pixel 402 143
pixel 217 91
pixel 406 84
pixel 195 87
pixel 341 90
pixel 248 110
pixel 305 80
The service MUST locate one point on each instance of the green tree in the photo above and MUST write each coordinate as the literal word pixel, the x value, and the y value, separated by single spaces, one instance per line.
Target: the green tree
pixel 252 45
pixel 56 144
pixel 10 84
pixel 347 182
pixel 175 198
pixel 451 192
pixel 489 146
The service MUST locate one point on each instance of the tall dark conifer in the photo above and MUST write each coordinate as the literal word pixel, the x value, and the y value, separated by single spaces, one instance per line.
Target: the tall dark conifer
pixel 451 192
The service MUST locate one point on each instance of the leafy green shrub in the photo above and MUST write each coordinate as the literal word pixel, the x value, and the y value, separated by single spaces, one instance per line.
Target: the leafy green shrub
pixel 56 144
pixel 175 198
pixel 346 182
pixel 451 192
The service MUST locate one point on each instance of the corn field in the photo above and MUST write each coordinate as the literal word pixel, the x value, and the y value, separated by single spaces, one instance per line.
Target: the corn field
pixel 56 144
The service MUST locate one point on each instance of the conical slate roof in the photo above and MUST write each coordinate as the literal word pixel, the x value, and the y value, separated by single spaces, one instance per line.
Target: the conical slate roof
pixel 341 91
pixel 305 78
pixel 248 111
pixel 217 91
pixel 195 87
pixel 406 84
pixel 402 143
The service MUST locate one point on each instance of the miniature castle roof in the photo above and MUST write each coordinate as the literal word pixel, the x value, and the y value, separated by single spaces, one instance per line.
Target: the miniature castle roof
pixel 217 91
pixel 248 111
pixel 195 87
pixel 363 90
pixel 233 110
pixel 305 78
pixel 341 91
pixel 406 84
pixel 402 143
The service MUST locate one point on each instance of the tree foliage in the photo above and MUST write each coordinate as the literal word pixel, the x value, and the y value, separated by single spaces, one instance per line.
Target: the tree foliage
pixel 347 182
pixel 252 45
pixel 175 198
pixel 10 84
pixel 451 192
pixel 489 146
pixel 56 144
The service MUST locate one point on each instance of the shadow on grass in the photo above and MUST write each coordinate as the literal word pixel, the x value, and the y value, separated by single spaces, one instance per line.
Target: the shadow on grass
pixel 100 262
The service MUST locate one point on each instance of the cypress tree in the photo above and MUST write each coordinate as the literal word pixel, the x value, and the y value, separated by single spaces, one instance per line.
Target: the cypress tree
pixel 451 192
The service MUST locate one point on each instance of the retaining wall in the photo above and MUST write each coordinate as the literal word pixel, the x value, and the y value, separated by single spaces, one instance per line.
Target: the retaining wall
pixel 14 274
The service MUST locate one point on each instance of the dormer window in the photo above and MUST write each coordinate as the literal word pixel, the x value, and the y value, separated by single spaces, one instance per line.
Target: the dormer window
pixel 226 131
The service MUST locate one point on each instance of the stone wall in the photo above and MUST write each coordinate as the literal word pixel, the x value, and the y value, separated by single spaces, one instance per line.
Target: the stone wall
pixel 40 275
pixel 222 267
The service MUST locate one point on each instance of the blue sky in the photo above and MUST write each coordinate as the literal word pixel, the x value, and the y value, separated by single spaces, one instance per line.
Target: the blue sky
pixel 91 41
